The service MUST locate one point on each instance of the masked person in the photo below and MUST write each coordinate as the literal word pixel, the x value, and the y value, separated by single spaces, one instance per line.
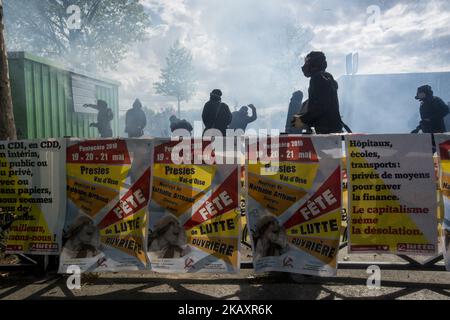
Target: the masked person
pixel 294 107
pixel 321 110
pixel 432 111
pixel 104 118
pixel 135 120
pixel 241 119
pixel 176 124
pixel 216 114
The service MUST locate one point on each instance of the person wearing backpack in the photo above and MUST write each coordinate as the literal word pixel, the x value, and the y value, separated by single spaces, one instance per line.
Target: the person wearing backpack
pixel 321 110
pixel 104 118
pixel 216 114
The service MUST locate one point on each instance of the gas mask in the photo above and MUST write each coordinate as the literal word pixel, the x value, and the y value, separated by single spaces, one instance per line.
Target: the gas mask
pixel 421 96
pixel 307 70
pixel 315 61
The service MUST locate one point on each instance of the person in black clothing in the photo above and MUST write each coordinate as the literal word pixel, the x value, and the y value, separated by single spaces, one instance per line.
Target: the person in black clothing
pixel 135 120
pixel 216 114
pixel 432 111
pixel 321 110
pixel 240 119
pixel 104 118
pixel 294 107
pixel 176 124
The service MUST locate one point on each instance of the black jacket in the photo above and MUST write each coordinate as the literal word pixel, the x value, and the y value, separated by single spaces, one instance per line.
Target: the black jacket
pixel 241 121
pixel 432 112
pixel 135 122
pixel 217 115
pixel 322 108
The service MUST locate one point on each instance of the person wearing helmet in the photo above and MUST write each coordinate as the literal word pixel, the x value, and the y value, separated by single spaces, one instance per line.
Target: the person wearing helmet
pixel 241 119
pixel 432 111
pixel 321 110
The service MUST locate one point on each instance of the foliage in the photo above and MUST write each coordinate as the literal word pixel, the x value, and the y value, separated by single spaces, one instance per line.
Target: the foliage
pixel 105 31
pixel 177 77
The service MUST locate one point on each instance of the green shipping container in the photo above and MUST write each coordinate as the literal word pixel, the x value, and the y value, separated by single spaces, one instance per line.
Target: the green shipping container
pixel 48 98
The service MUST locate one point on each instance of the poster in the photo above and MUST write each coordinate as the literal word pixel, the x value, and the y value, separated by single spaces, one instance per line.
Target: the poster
pixel 108 190
pixel 32 191
pixel 392 194
pixel 443 149
pixel 294 208
pixel 194 223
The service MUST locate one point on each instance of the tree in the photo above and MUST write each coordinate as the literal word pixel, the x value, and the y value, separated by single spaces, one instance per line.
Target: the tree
pixel 177 78
pixel 7 126
pixel 81 33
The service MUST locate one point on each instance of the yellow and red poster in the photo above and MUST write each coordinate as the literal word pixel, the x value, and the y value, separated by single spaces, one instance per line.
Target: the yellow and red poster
pixel 108 190
pixel 32 194
pixel 294 206
pixel 194 221
pixel 443 148
pixel 392 194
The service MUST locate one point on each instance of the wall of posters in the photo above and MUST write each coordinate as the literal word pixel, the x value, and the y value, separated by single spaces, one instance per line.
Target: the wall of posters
pixel 108 190
pixel 443 149
pixel 194 213
pixel 32 194
pixel 294 209
pixel 392 194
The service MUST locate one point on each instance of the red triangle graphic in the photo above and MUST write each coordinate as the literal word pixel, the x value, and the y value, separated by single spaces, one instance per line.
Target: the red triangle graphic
pixel 134 200
pixel 331 187
pixel 230 186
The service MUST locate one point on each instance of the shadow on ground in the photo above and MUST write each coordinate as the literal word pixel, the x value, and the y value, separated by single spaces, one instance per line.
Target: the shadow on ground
pixel 269 287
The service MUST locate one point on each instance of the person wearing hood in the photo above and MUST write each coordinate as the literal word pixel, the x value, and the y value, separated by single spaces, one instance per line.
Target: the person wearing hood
pixel 135 120
pixel 241 119
pixel 432 111
pixel 216 114
pixel 104 118
pixel 321 110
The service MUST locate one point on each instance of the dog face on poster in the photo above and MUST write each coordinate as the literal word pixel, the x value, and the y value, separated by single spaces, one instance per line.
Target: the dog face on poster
pixel 168 239
pixel 82 240
pixel 270 238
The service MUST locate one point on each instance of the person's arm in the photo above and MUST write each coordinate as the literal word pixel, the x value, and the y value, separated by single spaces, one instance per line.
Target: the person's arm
pixel 254 115
pixel 93 106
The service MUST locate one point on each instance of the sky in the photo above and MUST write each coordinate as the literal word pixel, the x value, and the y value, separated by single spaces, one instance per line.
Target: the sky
pixel 237 45
pixel 253 50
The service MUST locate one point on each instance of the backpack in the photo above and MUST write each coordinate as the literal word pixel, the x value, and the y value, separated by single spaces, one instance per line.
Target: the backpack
pixel 109 114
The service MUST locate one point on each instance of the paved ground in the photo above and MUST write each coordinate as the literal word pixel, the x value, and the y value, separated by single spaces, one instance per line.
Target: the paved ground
pixel 349 284
pixel 245 285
